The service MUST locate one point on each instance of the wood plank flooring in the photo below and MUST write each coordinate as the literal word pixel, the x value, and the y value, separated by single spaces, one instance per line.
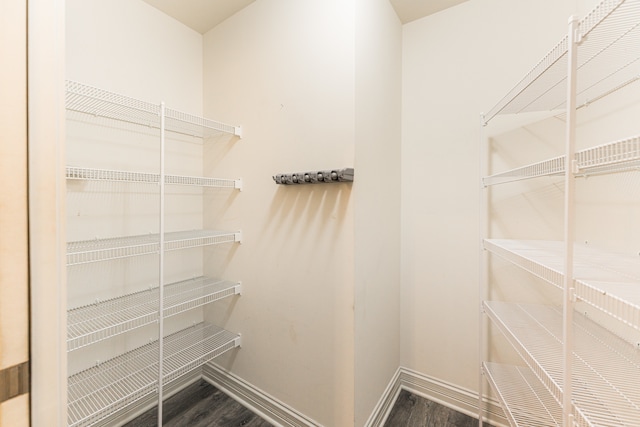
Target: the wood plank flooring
pixel 410 410
pixel 202 405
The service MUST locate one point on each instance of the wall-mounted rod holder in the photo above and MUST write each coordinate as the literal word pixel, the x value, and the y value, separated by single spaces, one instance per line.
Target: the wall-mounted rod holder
pixel 315 177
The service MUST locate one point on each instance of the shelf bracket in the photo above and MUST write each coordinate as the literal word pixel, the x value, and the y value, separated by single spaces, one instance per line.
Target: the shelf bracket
pixel 237 131
pixel 237 236
pixel 237 184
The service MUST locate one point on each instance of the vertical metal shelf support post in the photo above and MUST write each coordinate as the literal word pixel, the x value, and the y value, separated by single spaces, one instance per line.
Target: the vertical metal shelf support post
pixel 161 270
pixel 483 224
pixel 569 226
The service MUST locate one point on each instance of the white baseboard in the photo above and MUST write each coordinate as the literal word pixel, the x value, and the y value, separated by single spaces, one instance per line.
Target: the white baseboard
pixel 268 407
pixel 446 394
pixel 383 407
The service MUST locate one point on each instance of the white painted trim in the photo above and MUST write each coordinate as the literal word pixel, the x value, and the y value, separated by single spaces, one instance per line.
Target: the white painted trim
pixel 451 396
pixel 446 394
pixel 258 401
pixel 382 409
pixel 47 199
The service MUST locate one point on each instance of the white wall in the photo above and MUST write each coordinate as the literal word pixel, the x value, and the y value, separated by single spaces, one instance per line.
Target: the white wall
pixel 378 86
pixel 456 64
pixel 132 48
pixel 284 70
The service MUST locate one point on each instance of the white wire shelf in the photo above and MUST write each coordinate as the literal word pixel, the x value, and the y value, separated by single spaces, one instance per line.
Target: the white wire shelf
pixel 188 124
pixel 526 402
pixel 101 103
pixel 108 388
pixel 606 383
pixel 607 281
pixel 619 156
pixel 87 251
pixel 92 323
pixel 89 174
pixel 608 60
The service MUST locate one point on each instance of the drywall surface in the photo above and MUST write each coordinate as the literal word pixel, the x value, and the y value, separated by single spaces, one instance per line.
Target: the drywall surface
pixel 132 48
pixel 456 64
pixel 378 87
pixel 284 70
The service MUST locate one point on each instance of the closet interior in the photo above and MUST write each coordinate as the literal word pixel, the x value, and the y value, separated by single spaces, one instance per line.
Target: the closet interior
pixel 192 250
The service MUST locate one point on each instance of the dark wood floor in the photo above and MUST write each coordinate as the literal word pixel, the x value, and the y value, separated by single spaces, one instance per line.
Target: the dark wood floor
pixel 414 411
pixel 202 405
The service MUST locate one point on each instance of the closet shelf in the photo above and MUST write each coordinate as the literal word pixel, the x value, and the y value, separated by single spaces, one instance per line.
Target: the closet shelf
pixel 92 323
pixel 109 387
pixel 613 157
pixel 525 400
pixel 188 124
pixel 607 281
pixel 86 251
pixel 606 384
pixel 89 174
pixel 608 60
pixel 101 103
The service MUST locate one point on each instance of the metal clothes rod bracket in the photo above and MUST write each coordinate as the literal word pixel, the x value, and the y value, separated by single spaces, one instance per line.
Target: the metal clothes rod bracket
pixel 315 177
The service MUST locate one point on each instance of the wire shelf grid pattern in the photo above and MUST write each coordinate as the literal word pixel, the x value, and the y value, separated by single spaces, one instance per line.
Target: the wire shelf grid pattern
pixel 92 323
pixel 89 174
pixel 101 103
pixel 103 390
pixel 608 60
pixel 609 282
pixel 549 167
pixel 613 157
pixel 188 124
pixel 606 384
pixel 87 251
pixel 527 402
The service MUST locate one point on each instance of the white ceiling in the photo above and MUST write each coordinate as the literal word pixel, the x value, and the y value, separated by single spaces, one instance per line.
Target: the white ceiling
pixel 203 15
pixel 410 10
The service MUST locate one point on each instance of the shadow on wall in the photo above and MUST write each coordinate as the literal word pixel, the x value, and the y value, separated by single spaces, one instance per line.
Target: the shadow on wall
pixel 311 216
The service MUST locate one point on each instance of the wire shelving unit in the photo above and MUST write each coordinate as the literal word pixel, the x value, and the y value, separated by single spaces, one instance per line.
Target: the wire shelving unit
pixel 101 320
pixel 606 281
pixel 607 62
pixel 103 393
pixel 108 388
pixel 95 250
pixel 619 156
pixel 108 175
pixel 527 401
pixel 96 102
pixel 578 372
pixel 606 387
